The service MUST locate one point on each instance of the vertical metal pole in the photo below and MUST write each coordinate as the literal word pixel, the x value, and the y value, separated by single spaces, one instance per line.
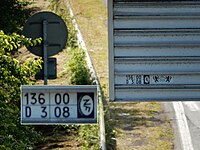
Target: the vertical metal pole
pixel 45 57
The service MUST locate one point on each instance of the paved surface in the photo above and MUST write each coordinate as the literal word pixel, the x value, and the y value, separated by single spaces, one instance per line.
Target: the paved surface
pixel 191 111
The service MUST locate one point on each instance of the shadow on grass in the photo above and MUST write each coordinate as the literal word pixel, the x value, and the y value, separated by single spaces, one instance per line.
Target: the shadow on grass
pixel 126 117
pixel 56 136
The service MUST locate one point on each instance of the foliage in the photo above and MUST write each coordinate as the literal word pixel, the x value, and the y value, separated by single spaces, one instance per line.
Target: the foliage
pixel 79 72
pixel 90 134
pixel 12 75
pixel 14 13
pixel 12 134
pixel 14 41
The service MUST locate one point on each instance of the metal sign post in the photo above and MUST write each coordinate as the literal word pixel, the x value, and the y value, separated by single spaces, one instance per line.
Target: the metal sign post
pixel 45 55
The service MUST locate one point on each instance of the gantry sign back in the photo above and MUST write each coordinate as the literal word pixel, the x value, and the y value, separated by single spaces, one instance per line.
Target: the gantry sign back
pixel 154 50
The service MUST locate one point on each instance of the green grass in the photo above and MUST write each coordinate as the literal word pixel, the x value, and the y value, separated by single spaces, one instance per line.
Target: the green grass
pixel 144 123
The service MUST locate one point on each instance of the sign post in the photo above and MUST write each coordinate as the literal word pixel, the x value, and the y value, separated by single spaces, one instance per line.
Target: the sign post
pixel 45 55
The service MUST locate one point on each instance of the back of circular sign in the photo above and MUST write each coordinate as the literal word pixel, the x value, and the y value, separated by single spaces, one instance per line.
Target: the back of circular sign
pixel 57 33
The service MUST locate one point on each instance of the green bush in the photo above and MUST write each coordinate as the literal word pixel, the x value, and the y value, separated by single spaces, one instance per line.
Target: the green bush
pixel 13 74
pixel 90 135
pixel 77 66
pixel 14 13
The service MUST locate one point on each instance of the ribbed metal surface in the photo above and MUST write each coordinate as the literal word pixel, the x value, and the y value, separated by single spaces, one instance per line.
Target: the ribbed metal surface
pixel 154 50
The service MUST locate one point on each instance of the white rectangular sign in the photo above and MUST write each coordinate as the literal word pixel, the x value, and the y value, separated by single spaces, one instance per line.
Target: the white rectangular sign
pixel 154 50
pixel 59 104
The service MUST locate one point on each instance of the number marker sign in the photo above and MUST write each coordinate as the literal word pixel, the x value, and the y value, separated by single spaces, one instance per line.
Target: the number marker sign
pixel 58 104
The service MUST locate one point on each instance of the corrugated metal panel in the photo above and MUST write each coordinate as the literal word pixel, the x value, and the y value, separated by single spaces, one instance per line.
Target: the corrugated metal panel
pixel 154 50
pixel 156 78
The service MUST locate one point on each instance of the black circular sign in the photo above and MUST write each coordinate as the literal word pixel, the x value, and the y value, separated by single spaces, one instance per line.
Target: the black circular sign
pixel 57 33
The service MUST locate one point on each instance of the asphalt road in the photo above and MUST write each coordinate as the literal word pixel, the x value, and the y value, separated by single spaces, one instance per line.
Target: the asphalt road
pixel 186 124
